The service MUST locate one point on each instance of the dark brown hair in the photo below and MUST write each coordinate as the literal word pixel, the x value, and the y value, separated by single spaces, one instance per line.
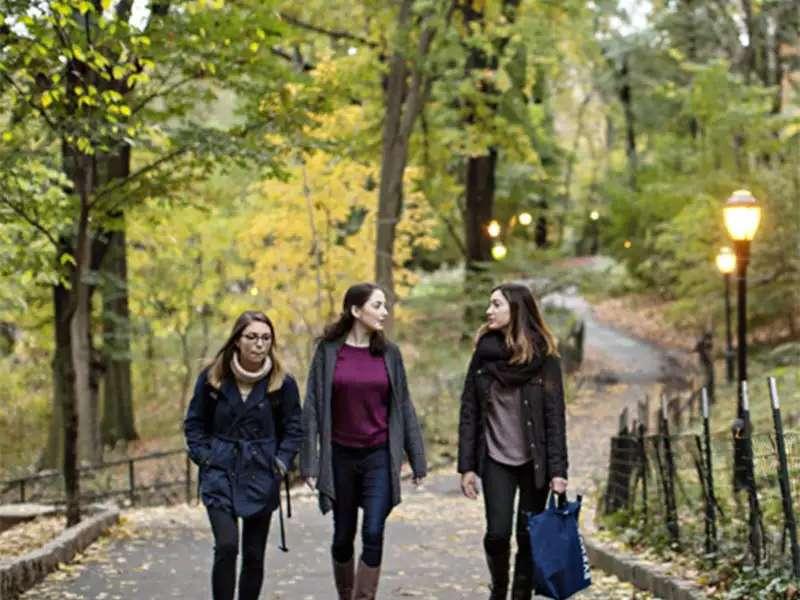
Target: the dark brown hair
pixel 220 367
pixel 525 326
pixel 356 296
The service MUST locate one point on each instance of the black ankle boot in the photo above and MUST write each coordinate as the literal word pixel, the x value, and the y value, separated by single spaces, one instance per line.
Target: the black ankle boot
pixel 498 569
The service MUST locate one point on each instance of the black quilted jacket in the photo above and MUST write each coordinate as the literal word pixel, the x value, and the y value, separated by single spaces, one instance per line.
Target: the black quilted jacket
pixel 544 422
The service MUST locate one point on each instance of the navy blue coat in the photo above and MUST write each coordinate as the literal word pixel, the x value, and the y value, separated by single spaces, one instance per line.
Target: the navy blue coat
pixel 235 443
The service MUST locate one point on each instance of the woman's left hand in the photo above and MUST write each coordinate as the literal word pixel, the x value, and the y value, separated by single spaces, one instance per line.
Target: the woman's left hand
pixel 558 485
pixel 418 481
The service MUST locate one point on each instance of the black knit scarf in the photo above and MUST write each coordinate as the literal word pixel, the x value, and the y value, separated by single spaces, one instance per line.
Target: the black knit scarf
pixel 493 355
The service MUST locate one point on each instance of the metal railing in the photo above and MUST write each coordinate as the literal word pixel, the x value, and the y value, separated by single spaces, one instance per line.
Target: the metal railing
pixel 124 477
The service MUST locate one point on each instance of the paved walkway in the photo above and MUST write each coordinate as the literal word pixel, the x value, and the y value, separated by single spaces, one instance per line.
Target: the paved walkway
pixel 433 539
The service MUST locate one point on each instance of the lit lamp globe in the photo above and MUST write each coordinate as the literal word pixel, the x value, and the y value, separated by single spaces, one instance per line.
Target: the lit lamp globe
pixel 742 216
pixel 594 215
pixel 726 261
pixel 493 228
pixel 525 218
pixel 499 251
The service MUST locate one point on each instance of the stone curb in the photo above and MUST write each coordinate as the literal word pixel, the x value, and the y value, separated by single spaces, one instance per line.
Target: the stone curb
pixel 23 572
pixel 645 576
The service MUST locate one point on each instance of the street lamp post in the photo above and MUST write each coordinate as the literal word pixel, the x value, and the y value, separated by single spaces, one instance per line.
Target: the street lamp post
pixel 742 216
pixel 726 263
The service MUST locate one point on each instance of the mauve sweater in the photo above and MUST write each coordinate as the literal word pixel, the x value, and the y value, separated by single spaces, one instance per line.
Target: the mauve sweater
pixel 360 403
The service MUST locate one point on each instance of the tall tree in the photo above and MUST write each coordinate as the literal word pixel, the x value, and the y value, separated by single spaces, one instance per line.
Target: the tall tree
pixel 97 83
pixel 406 89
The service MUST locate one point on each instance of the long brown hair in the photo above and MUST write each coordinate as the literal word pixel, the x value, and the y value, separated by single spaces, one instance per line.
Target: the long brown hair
pixel 220 368
pixel 525 326
pixel 356 295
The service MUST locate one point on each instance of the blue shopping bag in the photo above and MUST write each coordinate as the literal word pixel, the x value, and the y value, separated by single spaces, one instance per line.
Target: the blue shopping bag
pixel 560 563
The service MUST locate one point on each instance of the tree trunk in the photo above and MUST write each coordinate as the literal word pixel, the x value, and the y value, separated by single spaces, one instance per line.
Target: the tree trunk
pixel 53 455
pixel 570 166
pixel 480 174
pixel 390 207
pixel 480 185
pixel 118 422
pixel 393 164
pixel 785 56
pixel 479 206
pixel 626 98
pixel 65 411
pixel 752 50
pixel 690 25
pixel 89 446
pixel 186 359
pixel 150 380
pixel 405 93
pixel 480 170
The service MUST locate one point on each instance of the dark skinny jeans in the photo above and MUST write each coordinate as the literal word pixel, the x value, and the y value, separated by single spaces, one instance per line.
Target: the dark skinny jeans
pixel 500 484
pixel 361 477
pixel 255 530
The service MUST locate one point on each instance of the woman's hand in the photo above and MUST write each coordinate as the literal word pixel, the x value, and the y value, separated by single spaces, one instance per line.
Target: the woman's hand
pixel 469 485
pixel 558 485
pixel 311 482
pixel 417 481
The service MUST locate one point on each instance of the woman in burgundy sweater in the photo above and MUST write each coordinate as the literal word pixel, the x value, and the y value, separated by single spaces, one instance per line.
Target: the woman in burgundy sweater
pixel 358 423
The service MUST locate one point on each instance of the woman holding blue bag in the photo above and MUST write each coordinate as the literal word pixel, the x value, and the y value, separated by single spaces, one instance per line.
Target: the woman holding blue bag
pixel 512 430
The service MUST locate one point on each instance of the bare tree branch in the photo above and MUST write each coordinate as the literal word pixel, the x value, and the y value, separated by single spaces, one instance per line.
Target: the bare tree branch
pixel 120 183
pixel 280 52
pixel 29 219
pixel 332 33
pixel 162 92
pixel 30 103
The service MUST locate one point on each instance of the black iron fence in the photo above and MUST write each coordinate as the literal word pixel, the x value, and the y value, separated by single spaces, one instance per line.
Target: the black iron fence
pixel 687 490
pixel 156 478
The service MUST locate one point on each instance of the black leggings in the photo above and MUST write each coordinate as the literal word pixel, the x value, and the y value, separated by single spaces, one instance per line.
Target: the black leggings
pixel 500 483
pixel 255 530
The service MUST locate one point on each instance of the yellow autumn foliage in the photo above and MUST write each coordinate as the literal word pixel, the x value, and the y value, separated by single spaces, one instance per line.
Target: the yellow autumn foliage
pixel 313 235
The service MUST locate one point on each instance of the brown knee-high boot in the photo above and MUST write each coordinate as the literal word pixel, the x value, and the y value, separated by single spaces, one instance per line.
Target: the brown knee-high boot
pixel 366 582
pixel 344 576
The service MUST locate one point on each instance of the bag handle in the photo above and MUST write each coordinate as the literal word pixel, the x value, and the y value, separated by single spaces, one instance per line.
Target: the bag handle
pixel 551 499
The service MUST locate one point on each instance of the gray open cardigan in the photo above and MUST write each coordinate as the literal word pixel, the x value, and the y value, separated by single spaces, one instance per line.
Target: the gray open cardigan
pixel 404 431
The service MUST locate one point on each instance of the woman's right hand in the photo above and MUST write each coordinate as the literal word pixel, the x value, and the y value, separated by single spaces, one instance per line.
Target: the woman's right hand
pixel 311 482
pixel 469 485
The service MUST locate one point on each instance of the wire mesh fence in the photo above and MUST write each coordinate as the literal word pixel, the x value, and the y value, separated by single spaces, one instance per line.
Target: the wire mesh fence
pixel 687 490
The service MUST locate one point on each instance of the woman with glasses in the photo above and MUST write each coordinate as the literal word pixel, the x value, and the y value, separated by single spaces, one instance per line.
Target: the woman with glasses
pixel 243 428
pixel 358 422
pixel 512 430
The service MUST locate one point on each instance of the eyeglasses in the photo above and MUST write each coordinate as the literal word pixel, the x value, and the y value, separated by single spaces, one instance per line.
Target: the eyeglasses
pixel 252 337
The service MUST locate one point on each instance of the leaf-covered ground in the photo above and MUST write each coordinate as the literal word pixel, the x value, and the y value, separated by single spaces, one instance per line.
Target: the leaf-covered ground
pixel 24 537
pixel 433 551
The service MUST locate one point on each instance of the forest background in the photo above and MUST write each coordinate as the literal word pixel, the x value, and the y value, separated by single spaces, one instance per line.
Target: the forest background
pixel 166 164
